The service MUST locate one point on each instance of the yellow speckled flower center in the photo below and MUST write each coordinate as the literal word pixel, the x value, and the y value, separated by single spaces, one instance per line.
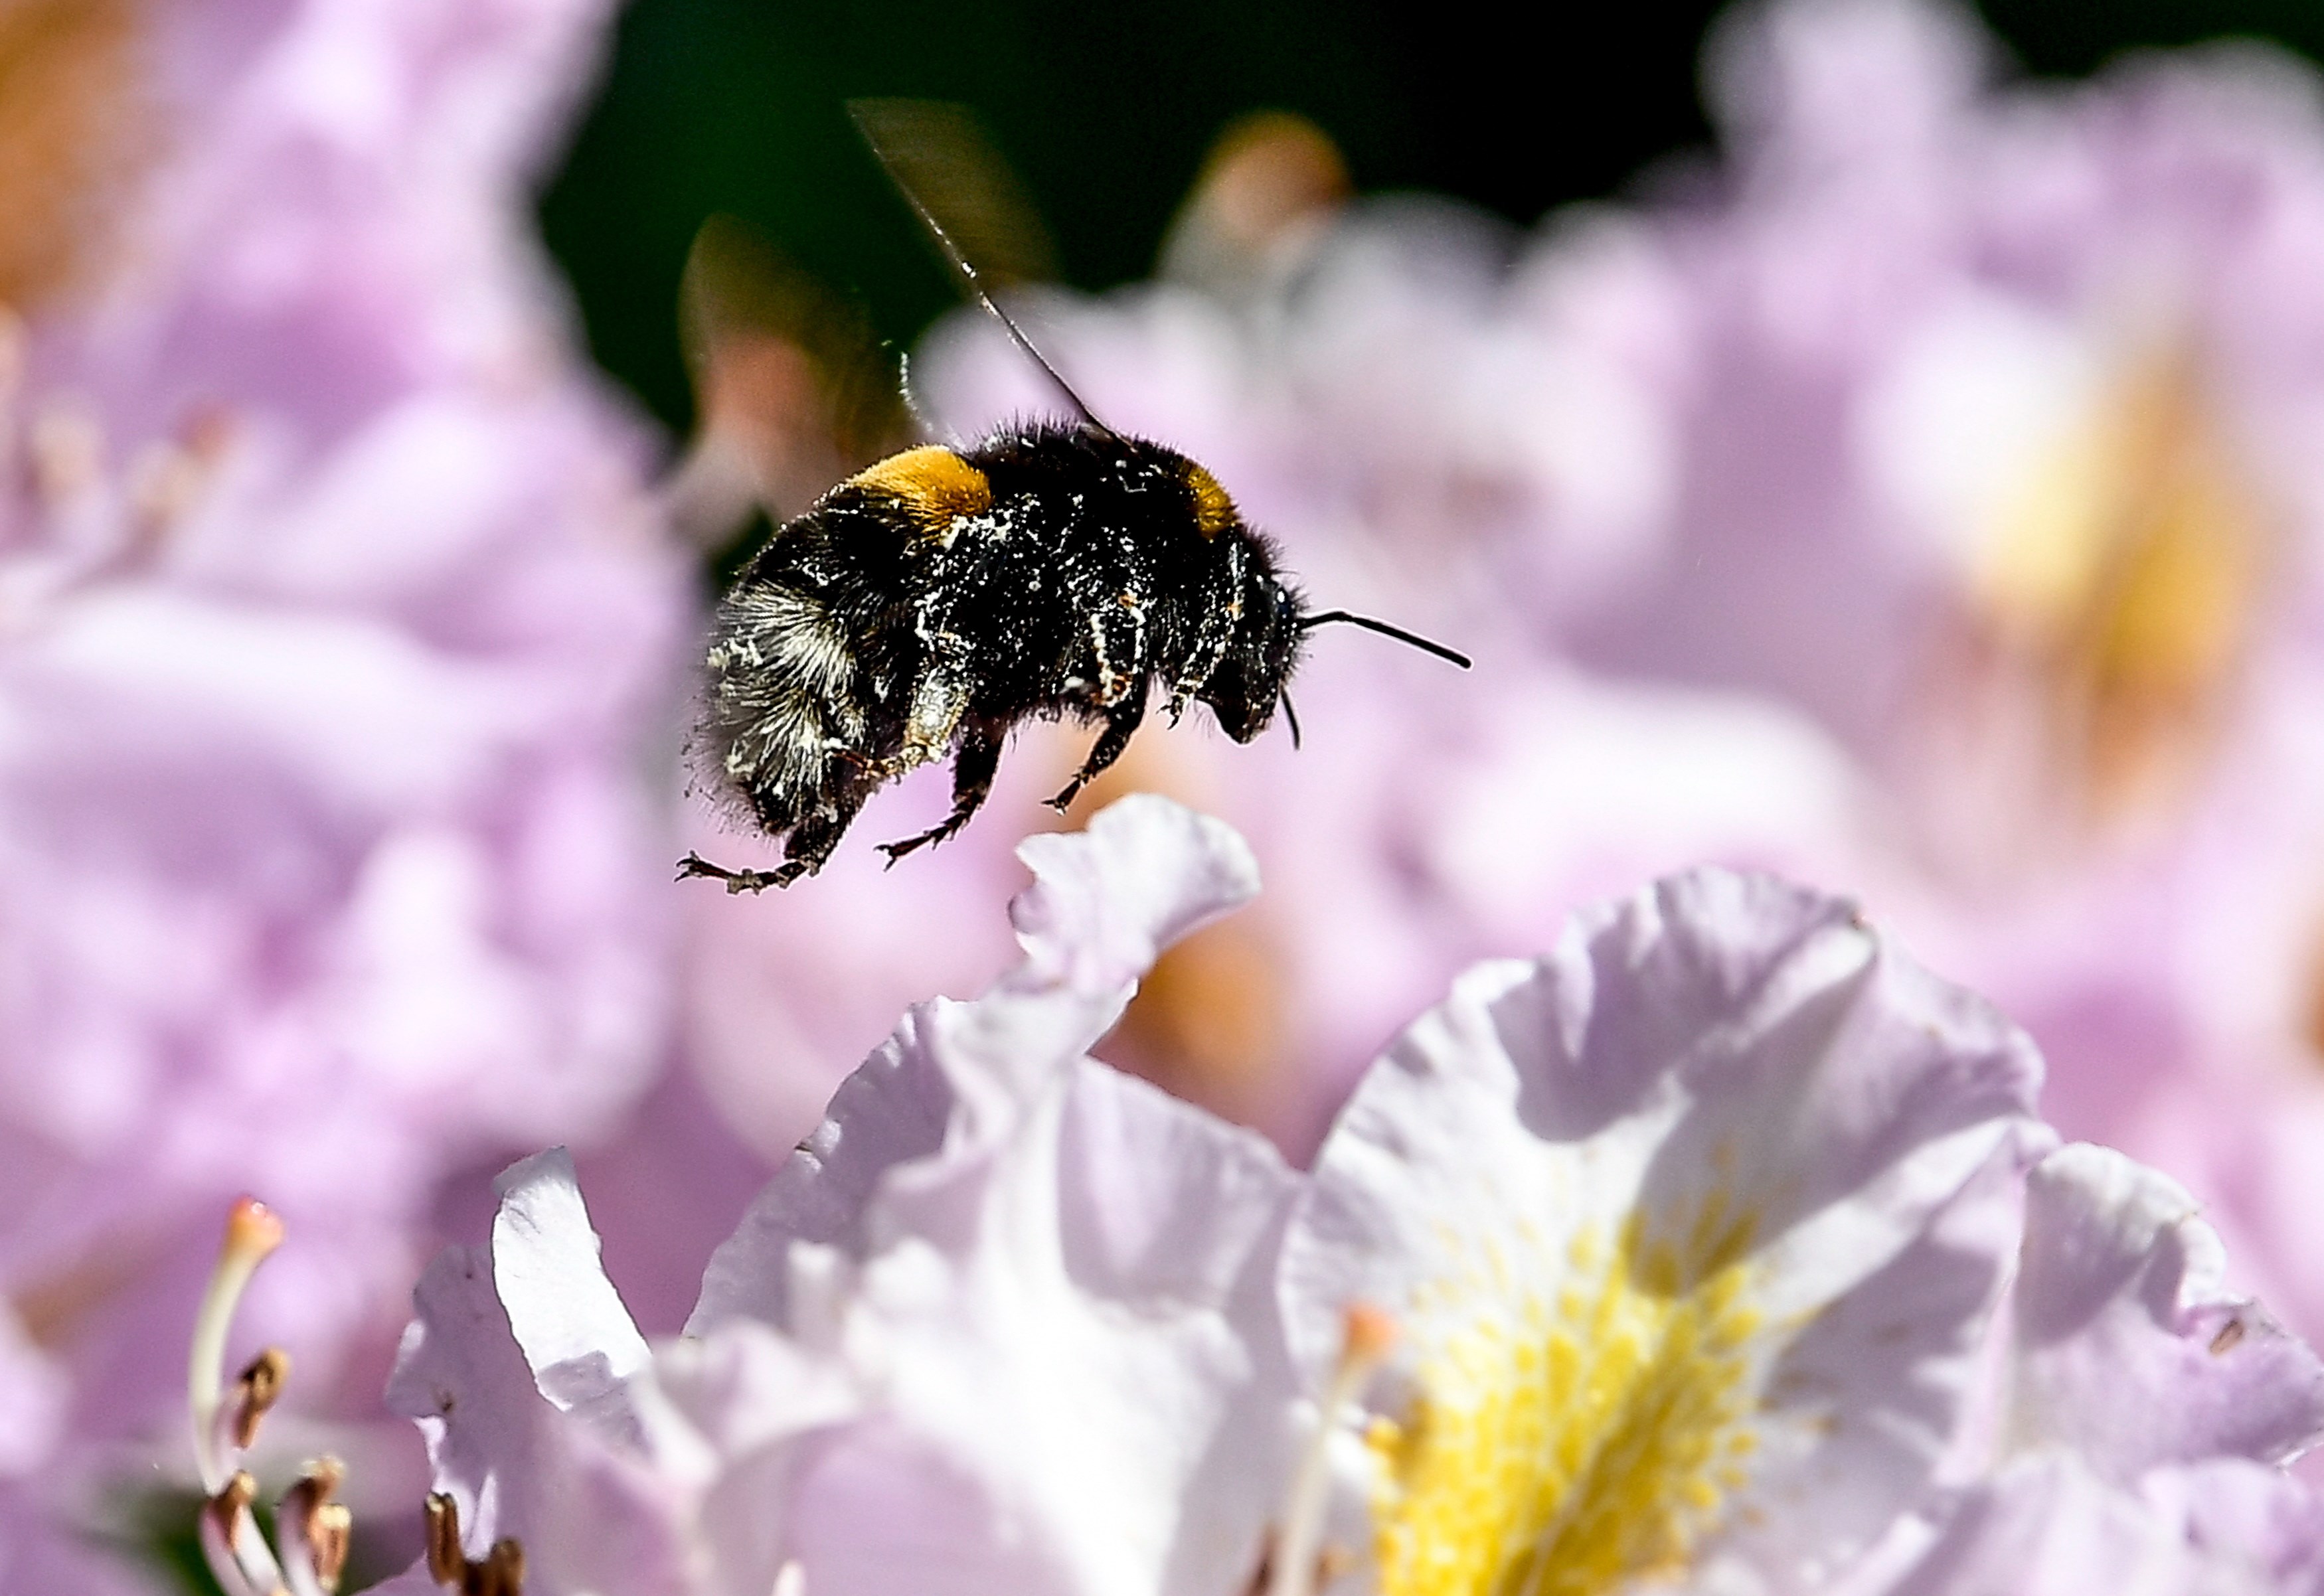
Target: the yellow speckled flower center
pixel 1578 1428
pixel 2126 575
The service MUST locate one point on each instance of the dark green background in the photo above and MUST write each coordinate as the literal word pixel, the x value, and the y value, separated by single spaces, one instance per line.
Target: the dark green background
pixel 1106 109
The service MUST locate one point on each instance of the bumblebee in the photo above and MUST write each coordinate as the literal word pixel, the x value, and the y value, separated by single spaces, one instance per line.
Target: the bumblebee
pixel 923 607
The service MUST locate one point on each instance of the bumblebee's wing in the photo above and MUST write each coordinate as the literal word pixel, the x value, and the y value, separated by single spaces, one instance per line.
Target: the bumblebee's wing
pixel 963 190
pixel 792 389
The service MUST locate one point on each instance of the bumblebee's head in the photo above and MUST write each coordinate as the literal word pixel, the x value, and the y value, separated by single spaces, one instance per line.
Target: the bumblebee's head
pixel 1261 654
pixel 1264 650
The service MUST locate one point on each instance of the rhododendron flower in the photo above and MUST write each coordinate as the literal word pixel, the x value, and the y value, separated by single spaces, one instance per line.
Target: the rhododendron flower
pixel 1693 1223
pixel 1718 1248
pixel 333 611
pixel 2073 1480
pixel 1994 420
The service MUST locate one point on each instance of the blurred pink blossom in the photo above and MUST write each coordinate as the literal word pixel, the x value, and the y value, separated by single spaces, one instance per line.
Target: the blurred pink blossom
pixel 332 621
pixel 1996 418
pixel 1720 1244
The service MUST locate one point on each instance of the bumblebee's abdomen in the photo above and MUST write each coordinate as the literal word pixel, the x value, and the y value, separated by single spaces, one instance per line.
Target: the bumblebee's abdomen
pixel 783 690
pixel 810 660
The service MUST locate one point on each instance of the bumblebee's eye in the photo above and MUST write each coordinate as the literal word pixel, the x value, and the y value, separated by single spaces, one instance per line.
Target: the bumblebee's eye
pixel 1285 608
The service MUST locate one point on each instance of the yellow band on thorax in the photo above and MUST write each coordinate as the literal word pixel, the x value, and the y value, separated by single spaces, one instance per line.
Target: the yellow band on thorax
pixel 932 485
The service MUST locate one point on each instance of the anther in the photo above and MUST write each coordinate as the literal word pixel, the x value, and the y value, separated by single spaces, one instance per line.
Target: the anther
pixel 232 1499
pixel 1370 1335
pixel 447 1564
pixel 237 1553
pixel 1295 1563
pixel 503 1573
pixel 315 1530
pixel 255 1392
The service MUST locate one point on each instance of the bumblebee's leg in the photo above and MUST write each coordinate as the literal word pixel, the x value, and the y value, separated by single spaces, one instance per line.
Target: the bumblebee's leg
pixel 1214 637
pixel 971 780
pixel 1122 723
pixel 813 839
pixel 939 700
pixel 1118 649
pixel 737 881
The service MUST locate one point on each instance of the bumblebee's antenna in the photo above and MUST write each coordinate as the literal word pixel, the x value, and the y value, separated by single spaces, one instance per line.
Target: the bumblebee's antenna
pixel 1291 716
pixel 887 124
pixel 1385 629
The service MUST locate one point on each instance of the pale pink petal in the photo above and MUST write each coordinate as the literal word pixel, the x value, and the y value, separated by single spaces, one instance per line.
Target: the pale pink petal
pixel 550 1460
pixel 1058 1273
pixel 955 1083
pixel 2128 1349
pixel 1108 900
pixel 2051 1525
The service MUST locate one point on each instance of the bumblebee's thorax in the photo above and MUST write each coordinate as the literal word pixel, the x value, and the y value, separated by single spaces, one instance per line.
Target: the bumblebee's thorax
pixel 1054 564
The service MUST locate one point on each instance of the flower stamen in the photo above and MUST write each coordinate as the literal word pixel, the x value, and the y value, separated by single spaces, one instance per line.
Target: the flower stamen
pixel 1368 1334
pixel 253 1232
pixel 237 1553
pixel 315 1530
pixel 446 1562
pixel 501 1573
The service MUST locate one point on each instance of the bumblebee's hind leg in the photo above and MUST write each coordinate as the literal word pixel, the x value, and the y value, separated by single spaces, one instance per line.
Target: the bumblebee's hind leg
pixel 973 771
pixel 813 840
pixel 807 841
pixel 737 881
pixel 1121 723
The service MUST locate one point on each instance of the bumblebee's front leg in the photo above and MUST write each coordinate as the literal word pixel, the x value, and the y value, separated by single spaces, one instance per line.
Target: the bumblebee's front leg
pixel 1122 723
pixel 972 782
